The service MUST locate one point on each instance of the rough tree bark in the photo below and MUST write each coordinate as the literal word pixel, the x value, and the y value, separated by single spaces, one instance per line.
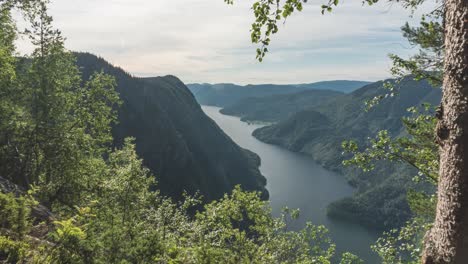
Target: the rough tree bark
pixel 447 241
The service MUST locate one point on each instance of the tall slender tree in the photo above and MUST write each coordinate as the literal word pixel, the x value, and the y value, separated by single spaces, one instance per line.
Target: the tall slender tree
pixel 447 242
pixel 53 124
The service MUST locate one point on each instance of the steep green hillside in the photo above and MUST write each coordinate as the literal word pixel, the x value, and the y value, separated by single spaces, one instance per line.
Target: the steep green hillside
pixel 274 108
pixel 227 94
pixel 320 130
pixel 172 133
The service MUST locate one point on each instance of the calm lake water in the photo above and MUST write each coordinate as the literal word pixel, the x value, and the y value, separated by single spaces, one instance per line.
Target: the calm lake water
pixel 294 180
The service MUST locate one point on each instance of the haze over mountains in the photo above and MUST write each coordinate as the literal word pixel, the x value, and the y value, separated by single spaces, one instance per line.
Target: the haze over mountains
pixel 225 94
pixel 262 108
pixel 184 148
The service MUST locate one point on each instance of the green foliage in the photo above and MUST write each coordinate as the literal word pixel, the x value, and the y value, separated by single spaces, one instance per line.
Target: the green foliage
pixel 419 150
pixel 427 64
pixel 380 199
pixel 56 125
pixel 349 258
pixel 429 37
pixel 15 213
pixel 68 242
pixel 15 224
pixel 126 222
pixel 267 15
pixel 404 245
pixel 242 223
pixel 55 134
pixel 237 229
pixel 7 37
pixel 12 251
pixel 56 137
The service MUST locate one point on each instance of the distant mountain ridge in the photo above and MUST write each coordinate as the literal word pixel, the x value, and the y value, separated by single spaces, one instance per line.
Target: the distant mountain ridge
pixel 345 116
pixel 172 135
pixel 344 86
pixel 277 107
pixel 319 131
pixel 226 94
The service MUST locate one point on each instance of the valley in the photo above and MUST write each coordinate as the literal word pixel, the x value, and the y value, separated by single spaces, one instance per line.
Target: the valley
pixel 316 123
pixel 294 180
pixel 156 132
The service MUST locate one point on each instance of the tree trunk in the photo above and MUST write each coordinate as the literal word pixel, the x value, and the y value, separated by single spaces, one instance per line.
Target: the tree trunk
pixel 447 241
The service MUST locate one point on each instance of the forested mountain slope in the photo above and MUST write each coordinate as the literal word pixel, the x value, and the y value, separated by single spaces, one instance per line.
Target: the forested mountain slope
pixel 344 86
pixel 274 108
pixel 183 147
pixel 226 94
pixel 346 118
pixel 319 131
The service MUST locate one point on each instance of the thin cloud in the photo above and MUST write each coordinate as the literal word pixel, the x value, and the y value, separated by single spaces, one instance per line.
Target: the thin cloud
pixel 209 41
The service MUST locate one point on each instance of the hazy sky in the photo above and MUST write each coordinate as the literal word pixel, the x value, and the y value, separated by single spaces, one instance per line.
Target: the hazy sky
pixel 209 41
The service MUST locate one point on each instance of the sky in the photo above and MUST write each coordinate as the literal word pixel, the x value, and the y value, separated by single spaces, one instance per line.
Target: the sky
pixel 208 41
